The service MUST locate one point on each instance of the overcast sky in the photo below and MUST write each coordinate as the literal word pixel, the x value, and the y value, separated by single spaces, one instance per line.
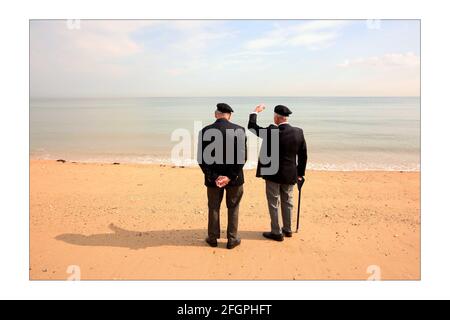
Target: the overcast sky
pixel 120 58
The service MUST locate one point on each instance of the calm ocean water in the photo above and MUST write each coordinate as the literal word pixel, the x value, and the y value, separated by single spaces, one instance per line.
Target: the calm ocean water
pixel 342 133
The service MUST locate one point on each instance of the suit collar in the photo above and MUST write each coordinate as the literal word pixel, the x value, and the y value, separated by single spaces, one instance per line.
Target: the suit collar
pixel 222 120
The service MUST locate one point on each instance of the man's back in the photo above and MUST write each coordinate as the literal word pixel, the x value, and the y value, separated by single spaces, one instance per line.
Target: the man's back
pixel 225 157
pixel 291 143
pixel 291 155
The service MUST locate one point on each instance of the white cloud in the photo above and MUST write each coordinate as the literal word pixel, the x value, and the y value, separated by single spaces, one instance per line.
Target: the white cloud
pixel 197 35
pixel 66 61
pixel 252 53
pixel 104 37
pixel 311 34
pixel 94 47
pixel 391 60
pixel 318 25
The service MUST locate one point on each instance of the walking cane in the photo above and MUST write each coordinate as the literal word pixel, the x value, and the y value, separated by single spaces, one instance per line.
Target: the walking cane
pixel 299 186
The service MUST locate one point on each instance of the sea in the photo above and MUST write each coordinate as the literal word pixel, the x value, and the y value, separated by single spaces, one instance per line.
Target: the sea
pixel 342 133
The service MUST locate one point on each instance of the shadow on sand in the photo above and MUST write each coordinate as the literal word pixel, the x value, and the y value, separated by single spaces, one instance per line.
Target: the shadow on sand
pixel 140 240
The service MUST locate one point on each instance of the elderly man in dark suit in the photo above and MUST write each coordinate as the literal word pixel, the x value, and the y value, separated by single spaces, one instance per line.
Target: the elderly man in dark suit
pixel 222 152
pixel 281 164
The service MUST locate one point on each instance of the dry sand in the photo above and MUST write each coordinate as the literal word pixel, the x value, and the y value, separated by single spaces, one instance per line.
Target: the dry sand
pixel 149 222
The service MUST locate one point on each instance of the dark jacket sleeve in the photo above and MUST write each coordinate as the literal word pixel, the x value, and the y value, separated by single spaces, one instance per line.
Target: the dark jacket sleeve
pixel 253 126
pixel 241 153
pixel 302 156
pixel 209 173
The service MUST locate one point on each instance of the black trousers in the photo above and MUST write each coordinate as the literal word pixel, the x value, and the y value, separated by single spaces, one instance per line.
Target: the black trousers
pixel 233 198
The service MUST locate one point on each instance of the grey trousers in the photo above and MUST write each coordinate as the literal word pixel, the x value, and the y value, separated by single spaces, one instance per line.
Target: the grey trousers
pixel 275 194
pixel 233 198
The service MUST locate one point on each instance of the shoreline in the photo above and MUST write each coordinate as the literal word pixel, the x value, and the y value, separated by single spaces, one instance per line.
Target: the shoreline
pixel 193 166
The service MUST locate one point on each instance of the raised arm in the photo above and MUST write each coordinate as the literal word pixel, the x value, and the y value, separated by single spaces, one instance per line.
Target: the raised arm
pixel 252 125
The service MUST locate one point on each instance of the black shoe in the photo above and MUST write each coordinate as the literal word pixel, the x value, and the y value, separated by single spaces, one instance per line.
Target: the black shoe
pixel 276 237
pixel 212 243
pixel 287 234
pixel 233 244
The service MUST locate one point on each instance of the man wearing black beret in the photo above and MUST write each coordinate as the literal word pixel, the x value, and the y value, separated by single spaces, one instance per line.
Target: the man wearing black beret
pixel 222 152
pixel 290 156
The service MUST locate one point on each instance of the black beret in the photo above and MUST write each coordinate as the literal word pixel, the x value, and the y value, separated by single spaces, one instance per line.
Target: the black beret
pixel 282 110
pixel 224 108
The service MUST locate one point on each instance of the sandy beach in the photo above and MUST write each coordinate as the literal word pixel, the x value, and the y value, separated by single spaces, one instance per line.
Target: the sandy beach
pixel 132 221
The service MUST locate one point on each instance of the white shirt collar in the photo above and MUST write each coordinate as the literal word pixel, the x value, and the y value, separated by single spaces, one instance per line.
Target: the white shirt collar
pixel 254 112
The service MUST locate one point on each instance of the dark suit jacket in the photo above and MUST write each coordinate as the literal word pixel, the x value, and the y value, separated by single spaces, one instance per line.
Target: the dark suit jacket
pixel 229 166
pixel 292 151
